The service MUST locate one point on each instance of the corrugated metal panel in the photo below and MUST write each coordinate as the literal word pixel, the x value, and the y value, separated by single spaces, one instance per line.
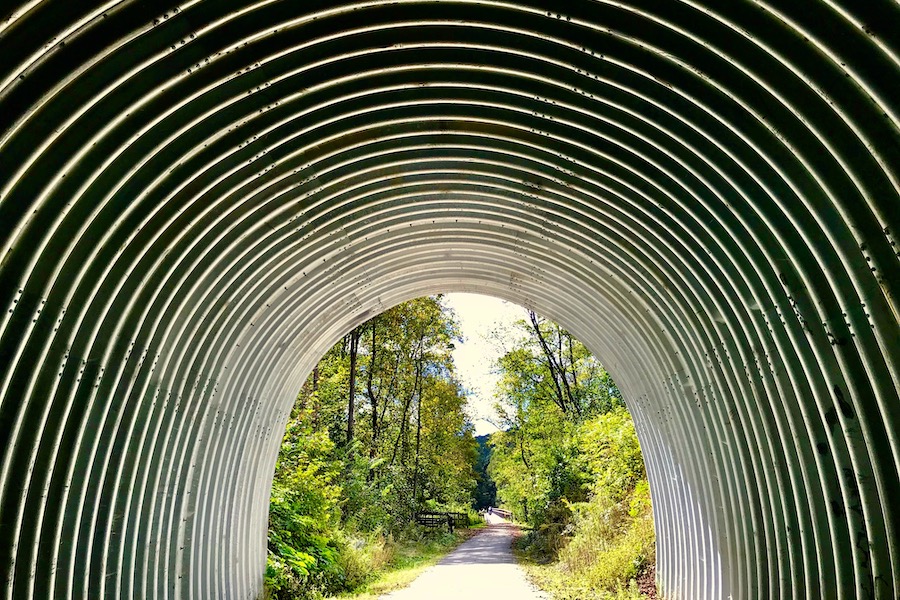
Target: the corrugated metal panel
pixel 196 201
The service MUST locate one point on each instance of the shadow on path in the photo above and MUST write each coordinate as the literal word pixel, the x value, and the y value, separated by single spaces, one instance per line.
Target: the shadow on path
pixel 482 567
pixel 491 546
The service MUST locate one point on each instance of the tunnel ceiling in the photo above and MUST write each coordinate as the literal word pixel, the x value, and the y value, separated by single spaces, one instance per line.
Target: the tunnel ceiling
pixel 196 200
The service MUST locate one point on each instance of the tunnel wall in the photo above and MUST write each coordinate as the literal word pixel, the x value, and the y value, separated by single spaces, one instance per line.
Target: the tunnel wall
pixel 197 200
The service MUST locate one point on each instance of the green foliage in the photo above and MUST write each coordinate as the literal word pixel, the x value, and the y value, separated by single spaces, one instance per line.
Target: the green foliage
pixel 358 461
pixel 602 544
pixel 303 510
pixel 612 453
pixel 486 487
pixel 550 384
pixel 548 367
pixel 612 542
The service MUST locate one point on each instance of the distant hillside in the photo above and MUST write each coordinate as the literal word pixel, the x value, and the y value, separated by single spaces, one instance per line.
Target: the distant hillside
pixel 486 491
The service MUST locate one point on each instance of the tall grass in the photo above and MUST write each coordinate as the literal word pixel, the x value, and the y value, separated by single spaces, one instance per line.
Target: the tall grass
pixel 612 542
pixel 363 565
pixel 609 545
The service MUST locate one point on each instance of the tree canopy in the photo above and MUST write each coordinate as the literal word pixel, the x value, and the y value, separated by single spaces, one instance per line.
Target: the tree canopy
pixel 550 384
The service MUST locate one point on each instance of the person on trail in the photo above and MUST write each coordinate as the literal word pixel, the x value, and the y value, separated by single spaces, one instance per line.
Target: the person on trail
pixel 490 510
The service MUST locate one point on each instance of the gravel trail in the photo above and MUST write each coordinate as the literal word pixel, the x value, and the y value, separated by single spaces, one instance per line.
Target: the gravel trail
pixel 480 568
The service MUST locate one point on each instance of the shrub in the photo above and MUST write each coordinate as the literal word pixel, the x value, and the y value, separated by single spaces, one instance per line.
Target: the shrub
pixel 602 544
pixel 612 452
pixel 612 541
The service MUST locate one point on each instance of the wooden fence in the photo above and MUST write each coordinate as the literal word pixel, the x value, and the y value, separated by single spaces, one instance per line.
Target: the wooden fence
pixel 502 512
pixel 439 519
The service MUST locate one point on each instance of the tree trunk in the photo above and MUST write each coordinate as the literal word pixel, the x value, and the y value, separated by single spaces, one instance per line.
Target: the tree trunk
pixel 418 437
pixel 373 400
pixel 351 395
pixel 521 436
pixel 563 372
pixel 551 363
pixel 402 436
pixel 575 384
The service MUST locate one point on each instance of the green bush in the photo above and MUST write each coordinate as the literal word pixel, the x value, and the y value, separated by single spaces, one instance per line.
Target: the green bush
pixel 360 558
pixel 612 453
pixel 596 548
pixel 612 542
pixel 544 542
pixel 303 554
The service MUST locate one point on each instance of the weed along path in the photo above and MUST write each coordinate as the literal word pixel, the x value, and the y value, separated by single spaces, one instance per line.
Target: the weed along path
pixel 482 567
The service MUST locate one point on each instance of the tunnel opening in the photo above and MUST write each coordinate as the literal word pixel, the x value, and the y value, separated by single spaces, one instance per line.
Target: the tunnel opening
pixel 408 418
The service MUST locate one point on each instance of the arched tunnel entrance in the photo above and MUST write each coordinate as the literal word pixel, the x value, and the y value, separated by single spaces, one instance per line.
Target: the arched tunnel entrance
pixel 197 199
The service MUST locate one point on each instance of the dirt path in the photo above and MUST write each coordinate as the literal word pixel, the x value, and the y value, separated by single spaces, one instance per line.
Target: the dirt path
pixel 482 567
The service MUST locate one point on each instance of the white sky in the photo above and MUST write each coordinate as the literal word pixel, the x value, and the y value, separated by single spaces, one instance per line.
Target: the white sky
pixel 480 317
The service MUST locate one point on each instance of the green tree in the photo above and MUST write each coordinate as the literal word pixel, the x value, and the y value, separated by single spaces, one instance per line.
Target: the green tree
pixel 568 462
pixel 303 511
pixel 486 487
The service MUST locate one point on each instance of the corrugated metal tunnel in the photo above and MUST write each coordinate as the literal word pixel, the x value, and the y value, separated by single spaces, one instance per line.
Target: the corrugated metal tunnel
pixel 197 201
